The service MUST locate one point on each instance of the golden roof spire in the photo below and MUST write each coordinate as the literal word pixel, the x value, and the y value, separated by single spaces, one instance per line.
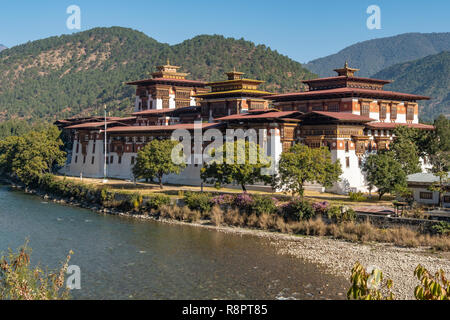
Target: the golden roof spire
pixel 346 71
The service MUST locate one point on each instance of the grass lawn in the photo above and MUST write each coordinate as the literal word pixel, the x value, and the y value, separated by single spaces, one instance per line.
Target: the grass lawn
pixel 147 189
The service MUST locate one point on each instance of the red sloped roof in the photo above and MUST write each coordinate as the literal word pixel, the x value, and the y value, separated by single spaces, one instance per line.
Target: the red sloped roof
pixel 88 125
pixel 271 115
pixel 152 111
pixel 392 125
pixel 349 79
pixel 187 126
pixel 157 80
pixel 342 116
pixel 346 90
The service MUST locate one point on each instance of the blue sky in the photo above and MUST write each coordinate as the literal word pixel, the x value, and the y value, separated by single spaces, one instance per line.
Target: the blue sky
pixel 302 30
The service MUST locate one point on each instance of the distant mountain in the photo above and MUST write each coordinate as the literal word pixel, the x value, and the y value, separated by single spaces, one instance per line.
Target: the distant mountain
pixel 76 74
pixel 428 76
pixel 375 55
pixel 2 47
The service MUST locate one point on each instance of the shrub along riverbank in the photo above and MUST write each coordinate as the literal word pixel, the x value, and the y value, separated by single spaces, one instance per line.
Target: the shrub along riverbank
pixel 295 216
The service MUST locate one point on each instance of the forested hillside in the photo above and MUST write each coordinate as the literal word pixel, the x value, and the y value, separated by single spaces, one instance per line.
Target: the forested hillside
pixel 375 55
pixel 428 76
pixel 2 47
pixel 76 74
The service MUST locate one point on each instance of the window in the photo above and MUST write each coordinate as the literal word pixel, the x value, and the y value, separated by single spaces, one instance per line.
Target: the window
pixel 346 146
pixel 447 199
pixel 347 162
pixel 394 112
pixel 93 160
pixel 78 147
pixel 365 109
pixel 360 162
pixel 120 159
pixel 333 107
pixel 426 195
pixel 410 113
pixel 76 159
pixel 111 160
pixel 132 160
pixel 93 148
pixel 383 111
pixel 84 159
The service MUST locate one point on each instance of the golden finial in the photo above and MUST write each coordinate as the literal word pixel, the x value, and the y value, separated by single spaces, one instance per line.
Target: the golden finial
pixel 168 62
pixel 346 64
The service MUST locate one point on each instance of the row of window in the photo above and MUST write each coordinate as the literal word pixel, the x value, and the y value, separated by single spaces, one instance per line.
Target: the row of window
pixel 109 160
pixel 429 196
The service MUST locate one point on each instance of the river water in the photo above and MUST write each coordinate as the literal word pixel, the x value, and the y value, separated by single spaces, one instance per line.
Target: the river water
pixel 124 258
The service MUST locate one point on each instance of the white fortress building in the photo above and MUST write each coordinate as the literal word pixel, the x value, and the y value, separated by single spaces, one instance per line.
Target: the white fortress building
pixel 350 115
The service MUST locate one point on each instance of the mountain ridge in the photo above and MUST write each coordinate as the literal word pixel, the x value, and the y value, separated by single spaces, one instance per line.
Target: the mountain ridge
pixel 372 56
pixel 76 74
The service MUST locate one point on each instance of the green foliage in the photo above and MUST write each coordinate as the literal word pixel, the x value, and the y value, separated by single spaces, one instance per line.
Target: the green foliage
pixel 442 227
pixel 301 164
pixel 384 172
pixel 76 74
pixel 341 214
pixel 263 204
pixel 435 287
pixel 155 161
pixel 31 155
pixel 156 201
pixel 20 281
pixel 369 285
pixel 357 196
pixel 244 166
pixel 200 201
pixel 405 148
pixel 298 209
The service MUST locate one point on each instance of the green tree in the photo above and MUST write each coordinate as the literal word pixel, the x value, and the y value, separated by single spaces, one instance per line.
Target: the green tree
pixel 384 172
pixel 155 161
pixel 244 166
pixel 405 149
pixel 33 154
pixel 301 164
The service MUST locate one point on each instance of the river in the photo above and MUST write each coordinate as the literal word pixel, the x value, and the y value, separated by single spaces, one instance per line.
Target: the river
pixel 125 258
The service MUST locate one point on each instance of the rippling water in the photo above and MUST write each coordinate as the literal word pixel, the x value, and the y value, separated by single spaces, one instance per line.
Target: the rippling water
pixel 123 258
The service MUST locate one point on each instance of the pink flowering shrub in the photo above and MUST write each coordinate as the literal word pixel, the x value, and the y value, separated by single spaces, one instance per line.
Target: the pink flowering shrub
pixel 321 207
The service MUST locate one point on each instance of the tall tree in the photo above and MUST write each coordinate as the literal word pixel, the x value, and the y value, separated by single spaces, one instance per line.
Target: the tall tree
pixel 384 172
pixel 243 166
pixel 33 154
pixel 301 164
pixel 155 161
pixel 405 149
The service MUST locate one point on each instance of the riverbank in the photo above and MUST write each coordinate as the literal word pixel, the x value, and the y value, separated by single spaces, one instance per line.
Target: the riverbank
pixel 336 256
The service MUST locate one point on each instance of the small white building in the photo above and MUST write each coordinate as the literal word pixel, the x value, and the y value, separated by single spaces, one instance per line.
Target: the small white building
pixel 419 183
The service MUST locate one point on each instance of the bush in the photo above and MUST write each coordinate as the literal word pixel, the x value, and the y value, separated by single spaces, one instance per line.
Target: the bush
pixel 341 214
pixel 156 201
pixel 263 204
pixel 321 207
pixel 244 202
pixel 297 210
pixel 20 280
pixel 357 196
pixel 223 200
pixel 442 227
pixel 198 201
